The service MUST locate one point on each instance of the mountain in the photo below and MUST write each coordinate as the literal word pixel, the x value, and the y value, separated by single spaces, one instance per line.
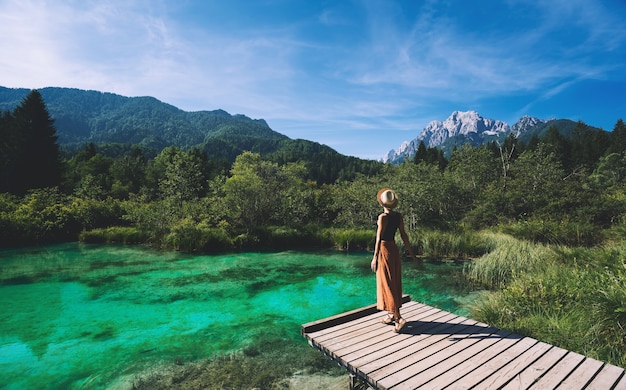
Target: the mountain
pixel 469 127
pixel 115 122
pixel 91 116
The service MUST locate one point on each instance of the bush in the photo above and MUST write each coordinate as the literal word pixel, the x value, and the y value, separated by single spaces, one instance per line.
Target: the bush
pixel 187 235
pixel 351 239
pixel 114 234
pixel 283 237
pixel 458 245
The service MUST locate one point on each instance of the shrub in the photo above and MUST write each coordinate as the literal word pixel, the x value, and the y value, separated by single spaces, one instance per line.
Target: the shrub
pixel 114 234
pixel 187 235
pixel 351 239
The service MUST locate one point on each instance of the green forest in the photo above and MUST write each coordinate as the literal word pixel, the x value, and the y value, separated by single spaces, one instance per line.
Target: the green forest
pixel 540 223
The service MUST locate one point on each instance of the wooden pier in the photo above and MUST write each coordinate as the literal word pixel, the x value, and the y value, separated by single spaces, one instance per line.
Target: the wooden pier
pixel 438 350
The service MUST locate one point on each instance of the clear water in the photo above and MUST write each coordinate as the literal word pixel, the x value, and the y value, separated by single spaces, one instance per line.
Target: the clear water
pixel 82 316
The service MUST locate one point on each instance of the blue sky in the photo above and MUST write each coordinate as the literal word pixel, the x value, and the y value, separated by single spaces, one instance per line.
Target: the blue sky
pixel 360 76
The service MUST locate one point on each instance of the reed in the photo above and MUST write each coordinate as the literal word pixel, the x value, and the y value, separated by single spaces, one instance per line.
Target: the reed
pixel 574 298
pixel 350 239
pixel 508 259
pixel 450 244
pixel 113 234
pixel 571 233
pixel 188 235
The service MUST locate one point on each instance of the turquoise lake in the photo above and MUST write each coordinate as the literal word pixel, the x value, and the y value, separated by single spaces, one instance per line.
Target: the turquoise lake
pixel 84 316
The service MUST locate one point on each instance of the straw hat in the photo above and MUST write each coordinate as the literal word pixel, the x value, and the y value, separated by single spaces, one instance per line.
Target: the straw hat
pixel 387 198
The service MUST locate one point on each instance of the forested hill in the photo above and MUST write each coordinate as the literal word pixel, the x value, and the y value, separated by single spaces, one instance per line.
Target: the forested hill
pixel 91 116
pixel 107 119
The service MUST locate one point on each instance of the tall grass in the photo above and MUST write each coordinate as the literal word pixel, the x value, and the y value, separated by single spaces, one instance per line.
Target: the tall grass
pixel 574 298
pixel 451 244
pixel 508 259
pixel 113 234
pixel 571 233
pixel 350 239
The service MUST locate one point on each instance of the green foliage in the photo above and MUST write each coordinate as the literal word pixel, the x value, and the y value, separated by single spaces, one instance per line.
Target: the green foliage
pixel 451 244
pixel 574 233
pixel 542 221
pixel 265 364
pixel 112 235
pixel 508 259
pixel 430 156
pixel 575 300
pixel 351 239
pixel 187 235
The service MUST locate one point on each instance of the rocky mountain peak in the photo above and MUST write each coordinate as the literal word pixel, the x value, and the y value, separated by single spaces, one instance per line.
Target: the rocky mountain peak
pixel 459 128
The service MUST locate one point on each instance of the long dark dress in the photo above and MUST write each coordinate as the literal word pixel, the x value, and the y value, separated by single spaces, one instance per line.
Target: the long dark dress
pixel 389 270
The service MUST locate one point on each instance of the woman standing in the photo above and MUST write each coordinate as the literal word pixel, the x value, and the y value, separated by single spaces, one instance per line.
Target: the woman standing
pixel 387 262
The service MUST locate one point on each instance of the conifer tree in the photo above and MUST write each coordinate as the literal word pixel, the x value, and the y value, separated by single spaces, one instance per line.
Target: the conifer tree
pixel 38 164
pixel 7 150
pixel 420 153
pixel 618 138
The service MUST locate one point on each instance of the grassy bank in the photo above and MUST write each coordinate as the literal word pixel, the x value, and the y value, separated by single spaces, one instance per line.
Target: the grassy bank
pixel 574 298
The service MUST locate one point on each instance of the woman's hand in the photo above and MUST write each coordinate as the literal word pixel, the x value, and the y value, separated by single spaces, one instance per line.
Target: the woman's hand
pixel 374 264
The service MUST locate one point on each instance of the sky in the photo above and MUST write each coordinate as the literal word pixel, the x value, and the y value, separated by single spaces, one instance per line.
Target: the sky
pixel 360 76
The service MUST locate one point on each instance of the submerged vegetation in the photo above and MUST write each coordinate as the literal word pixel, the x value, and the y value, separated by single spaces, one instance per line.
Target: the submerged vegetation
pixel 267 364
pixel 542 223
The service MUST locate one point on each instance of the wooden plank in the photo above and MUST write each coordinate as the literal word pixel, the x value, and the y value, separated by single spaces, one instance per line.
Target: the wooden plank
pixel 329 322
pixel 608 377
pixel 480 360
pixel 353 329
pixel 328 345
pixel 437 350
pixel 413 365
pixel 583 374
pixel 417 343
pixel 385 332
pixel 525 378
pixel 446 359
pixel 451 363
pixel 354 338
pixel 395 371
pixel 560 371
pixel 346 334
pixel 382 337
pixel 513 367
pixel 347 327
pixel 380 350
pixel 621 385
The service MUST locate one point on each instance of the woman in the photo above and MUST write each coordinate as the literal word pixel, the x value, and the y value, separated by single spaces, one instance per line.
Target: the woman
pixel 387 262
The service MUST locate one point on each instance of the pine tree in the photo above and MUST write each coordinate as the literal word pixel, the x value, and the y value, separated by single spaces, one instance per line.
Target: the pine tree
pixel 38 164
pixel 7 150
pixel 420 153
pixel 618 138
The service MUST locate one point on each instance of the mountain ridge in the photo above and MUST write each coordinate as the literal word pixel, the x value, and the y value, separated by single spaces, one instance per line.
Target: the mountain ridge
pixel 463 127
pixel 101 117
pixel 83 116
pixel 115 123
